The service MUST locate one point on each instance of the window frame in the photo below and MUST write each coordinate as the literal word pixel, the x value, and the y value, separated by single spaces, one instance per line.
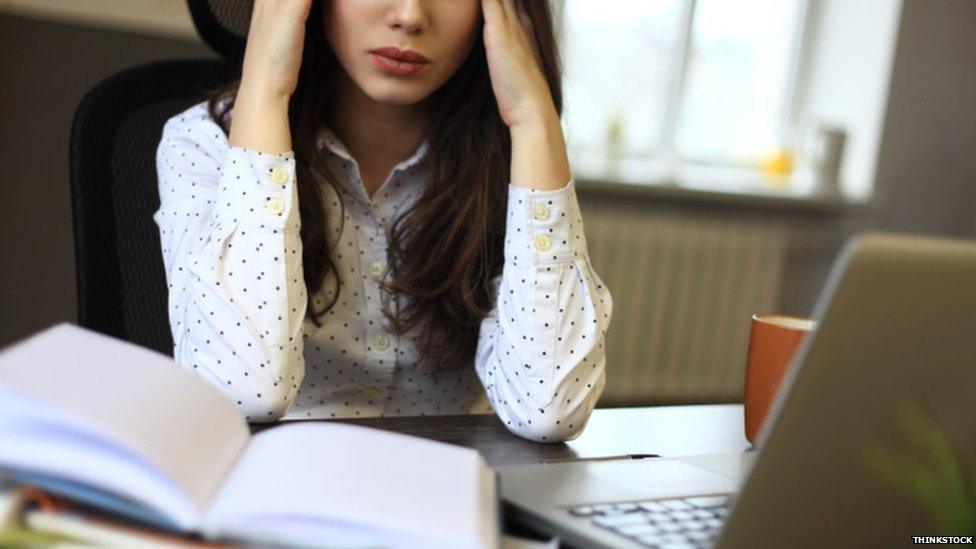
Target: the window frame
pixel 664 151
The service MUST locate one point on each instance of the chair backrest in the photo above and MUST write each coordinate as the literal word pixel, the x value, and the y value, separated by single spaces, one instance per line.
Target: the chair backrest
pixel 112 161
pixel 223 25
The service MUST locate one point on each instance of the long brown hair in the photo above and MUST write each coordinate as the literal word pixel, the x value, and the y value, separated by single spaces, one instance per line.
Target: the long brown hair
pixel 444 250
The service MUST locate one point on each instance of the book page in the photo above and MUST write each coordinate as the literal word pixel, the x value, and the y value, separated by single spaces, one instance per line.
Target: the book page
pixel 50 450
pixel 140 400
pixel 317 479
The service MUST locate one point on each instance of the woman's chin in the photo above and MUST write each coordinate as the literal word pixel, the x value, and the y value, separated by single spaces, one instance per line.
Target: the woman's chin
pixel 397 93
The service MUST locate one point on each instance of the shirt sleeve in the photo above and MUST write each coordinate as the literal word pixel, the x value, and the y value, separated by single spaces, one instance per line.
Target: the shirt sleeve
pixel 229 231
pixel 540 353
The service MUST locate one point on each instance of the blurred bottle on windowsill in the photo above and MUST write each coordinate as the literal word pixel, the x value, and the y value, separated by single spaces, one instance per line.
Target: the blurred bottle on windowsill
pixel 821 156
pixel 828 154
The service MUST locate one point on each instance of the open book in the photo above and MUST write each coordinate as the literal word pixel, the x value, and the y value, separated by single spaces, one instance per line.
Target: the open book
pixel 128 430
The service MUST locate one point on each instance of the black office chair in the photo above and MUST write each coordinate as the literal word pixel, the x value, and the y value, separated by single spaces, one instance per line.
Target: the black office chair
pixel 112 161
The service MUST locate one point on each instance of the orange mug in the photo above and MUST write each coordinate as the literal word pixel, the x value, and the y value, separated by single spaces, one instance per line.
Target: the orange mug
pixel 773 340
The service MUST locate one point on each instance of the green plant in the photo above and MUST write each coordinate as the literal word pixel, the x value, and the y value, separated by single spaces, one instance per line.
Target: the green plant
pixel 936 479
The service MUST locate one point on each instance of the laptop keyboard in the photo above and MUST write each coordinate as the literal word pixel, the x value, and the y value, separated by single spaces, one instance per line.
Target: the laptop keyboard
pixel 671 523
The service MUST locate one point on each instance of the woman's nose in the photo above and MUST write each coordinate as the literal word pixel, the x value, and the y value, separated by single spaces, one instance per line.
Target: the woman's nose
pixel 410 15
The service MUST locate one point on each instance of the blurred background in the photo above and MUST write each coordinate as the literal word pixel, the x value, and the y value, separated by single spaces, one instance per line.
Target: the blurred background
pixel 723 152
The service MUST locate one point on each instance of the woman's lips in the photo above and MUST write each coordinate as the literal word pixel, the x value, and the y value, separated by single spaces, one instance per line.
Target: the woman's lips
pixel 399 62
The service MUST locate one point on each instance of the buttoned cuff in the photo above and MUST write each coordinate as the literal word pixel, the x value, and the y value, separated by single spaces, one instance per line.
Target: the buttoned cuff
pixel 543 226
pixel 258 188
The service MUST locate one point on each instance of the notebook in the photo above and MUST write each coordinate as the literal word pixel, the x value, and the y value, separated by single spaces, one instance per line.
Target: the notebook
pixel 128 430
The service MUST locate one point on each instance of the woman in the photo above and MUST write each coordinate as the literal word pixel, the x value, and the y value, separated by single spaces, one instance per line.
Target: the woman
pixel 379 219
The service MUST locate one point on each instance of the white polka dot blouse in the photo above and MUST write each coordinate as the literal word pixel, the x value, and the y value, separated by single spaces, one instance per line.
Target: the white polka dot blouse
pixel 229 228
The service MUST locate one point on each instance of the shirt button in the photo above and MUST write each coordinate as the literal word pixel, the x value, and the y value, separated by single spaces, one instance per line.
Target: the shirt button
pixel 381 341
pixel 540 212
pixel 373 392
pixel 276 206
pixel 376 268
pixel 542 242
pixel 279 175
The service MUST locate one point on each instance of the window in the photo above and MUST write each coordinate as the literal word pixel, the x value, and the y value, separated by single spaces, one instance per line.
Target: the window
pixel 667 84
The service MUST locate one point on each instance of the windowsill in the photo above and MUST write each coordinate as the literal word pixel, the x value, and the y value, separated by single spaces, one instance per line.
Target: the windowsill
pixel 667 191
pixel 729 186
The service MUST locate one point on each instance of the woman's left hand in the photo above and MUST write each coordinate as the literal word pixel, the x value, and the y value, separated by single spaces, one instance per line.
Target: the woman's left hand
pixel 514 65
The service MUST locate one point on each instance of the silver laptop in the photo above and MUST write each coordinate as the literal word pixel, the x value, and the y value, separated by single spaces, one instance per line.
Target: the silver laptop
pixel 871 440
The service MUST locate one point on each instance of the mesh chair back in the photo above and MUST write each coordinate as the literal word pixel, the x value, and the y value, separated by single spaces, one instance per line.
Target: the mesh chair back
pixel 112 163
pixel 223 24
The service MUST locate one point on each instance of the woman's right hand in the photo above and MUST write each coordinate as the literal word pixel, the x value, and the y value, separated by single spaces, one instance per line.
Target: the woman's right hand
pixel 269 75
pixel 273 54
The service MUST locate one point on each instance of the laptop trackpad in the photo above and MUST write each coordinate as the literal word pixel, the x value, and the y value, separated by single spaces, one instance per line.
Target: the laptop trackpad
pixel 618 480
pixel 661 478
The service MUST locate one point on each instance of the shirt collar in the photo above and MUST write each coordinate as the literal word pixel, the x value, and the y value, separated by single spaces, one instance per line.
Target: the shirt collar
pixel 328 139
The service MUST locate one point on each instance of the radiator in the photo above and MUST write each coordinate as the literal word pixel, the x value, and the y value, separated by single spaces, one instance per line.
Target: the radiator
pixel 684 289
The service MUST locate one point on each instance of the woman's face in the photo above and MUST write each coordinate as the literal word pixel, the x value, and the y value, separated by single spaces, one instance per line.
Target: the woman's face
pixel 367 34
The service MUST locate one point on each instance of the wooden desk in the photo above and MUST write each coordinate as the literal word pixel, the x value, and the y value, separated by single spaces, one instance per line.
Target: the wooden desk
pixel 610 432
